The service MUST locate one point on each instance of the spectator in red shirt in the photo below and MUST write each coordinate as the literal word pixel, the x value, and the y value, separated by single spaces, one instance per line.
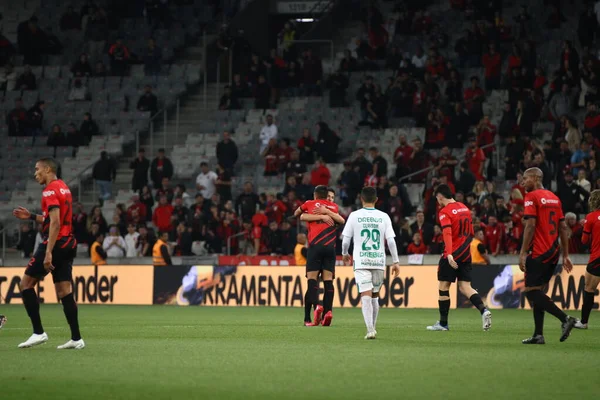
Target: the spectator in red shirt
pixel 475 157
pixel 285 153
pixel 486 133
pixel 276 208
pixel 320 174
pixel 592 119
pixel 494 235
pixel 437 243
pixel 417 246
pixel 446 164
pixel 420 159
pixel 435 130
pixel 473 98
pixel 492 63
pixel 514 236
pixel 514 60
pixel 162 217
pixel 138 207
pixel 306 146
pixel 271 156
pixel 402 156
pixel 575 244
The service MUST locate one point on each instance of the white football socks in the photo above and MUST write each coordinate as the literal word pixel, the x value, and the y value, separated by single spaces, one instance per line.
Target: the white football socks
pixel 367 310
pixel 375 301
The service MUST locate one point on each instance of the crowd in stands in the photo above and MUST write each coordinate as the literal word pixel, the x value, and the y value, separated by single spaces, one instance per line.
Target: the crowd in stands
pixel 424 86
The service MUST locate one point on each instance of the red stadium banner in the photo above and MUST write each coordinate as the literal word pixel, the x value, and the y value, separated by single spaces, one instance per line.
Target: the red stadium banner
pixel 262 261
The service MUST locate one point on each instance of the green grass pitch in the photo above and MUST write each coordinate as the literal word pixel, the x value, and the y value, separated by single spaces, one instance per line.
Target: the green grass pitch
pixel 162 352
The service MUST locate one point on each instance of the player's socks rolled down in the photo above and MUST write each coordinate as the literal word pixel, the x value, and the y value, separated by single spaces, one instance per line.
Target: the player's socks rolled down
pixel 538 320
pixel 367 310
pixel 70 310
pixel 477 302
pixel 537 298
pixel 328 296
pixel 444 306
pixel 375 302
pixel 586 309
pixel 307 307
pixel 313 291
pixel 32 305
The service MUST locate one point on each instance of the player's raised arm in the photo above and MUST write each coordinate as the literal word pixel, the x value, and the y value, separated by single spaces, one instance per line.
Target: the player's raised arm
pixel 315 218
pixel 298 212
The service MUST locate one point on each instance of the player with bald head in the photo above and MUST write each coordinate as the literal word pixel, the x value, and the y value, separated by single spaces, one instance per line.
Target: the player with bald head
pixel 540 252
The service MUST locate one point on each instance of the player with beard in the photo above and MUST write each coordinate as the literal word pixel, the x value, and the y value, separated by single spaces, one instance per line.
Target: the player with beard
pixel 540 252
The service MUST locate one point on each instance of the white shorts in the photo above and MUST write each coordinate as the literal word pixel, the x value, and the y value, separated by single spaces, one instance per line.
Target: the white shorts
pixel 369 280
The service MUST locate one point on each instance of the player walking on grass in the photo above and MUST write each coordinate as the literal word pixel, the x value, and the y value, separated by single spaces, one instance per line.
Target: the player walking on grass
pixel 591 236
pixel 54 255
pixel 457 227
pixel 322 217
pixel 544 224
pixel 370 229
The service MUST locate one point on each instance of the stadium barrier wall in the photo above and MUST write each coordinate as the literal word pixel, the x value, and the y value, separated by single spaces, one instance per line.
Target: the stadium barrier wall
pixel 500 286
pixel 416 287
pixel 107 284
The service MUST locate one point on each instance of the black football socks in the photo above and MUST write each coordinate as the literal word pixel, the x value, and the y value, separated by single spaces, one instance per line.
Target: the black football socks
pixel 444 310
pixel 328 296
pixel 32 305
pixel 588 304
pixel 477 302
pixel 70 309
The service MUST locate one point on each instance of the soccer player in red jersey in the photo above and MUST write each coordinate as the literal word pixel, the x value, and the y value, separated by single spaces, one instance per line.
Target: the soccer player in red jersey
pixel 54 255
pixel 591 237
pixel 455 264
pixel 322 217
pixel 540 252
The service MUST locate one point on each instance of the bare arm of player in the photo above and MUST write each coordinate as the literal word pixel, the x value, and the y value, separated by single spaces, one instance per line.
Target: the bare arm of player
pixel 335 216
pixel 54 215
pixel 391 242
pixel 298 212
pixel 345 247
pixel 527 238
pixel 23 213
pixel 564 244
pixel 315 218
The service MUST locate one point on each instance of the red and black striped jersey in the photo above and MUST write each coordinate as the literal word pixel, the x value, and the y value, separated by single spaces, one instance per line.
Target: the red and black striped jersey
pixel 57 195
pixel 319 233
pixel 457 217
pixel 546 208
pixel 591 227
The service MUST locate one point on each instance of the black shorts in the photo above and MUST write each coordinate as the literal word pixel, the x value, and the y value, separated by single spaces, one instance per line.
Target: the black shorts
pixel 448 274
pixel 538 273
pixel 63 254
pixel 320 258
pixel 593 268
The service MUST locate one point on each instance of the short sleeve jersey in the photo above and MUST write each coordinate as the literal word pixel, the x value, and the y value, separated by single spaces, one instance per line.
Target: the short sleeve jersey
pixel 369 228
pixel 319 233
pixel 457 217
pixel 57 195
pixel 546 208
pixel 591 227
